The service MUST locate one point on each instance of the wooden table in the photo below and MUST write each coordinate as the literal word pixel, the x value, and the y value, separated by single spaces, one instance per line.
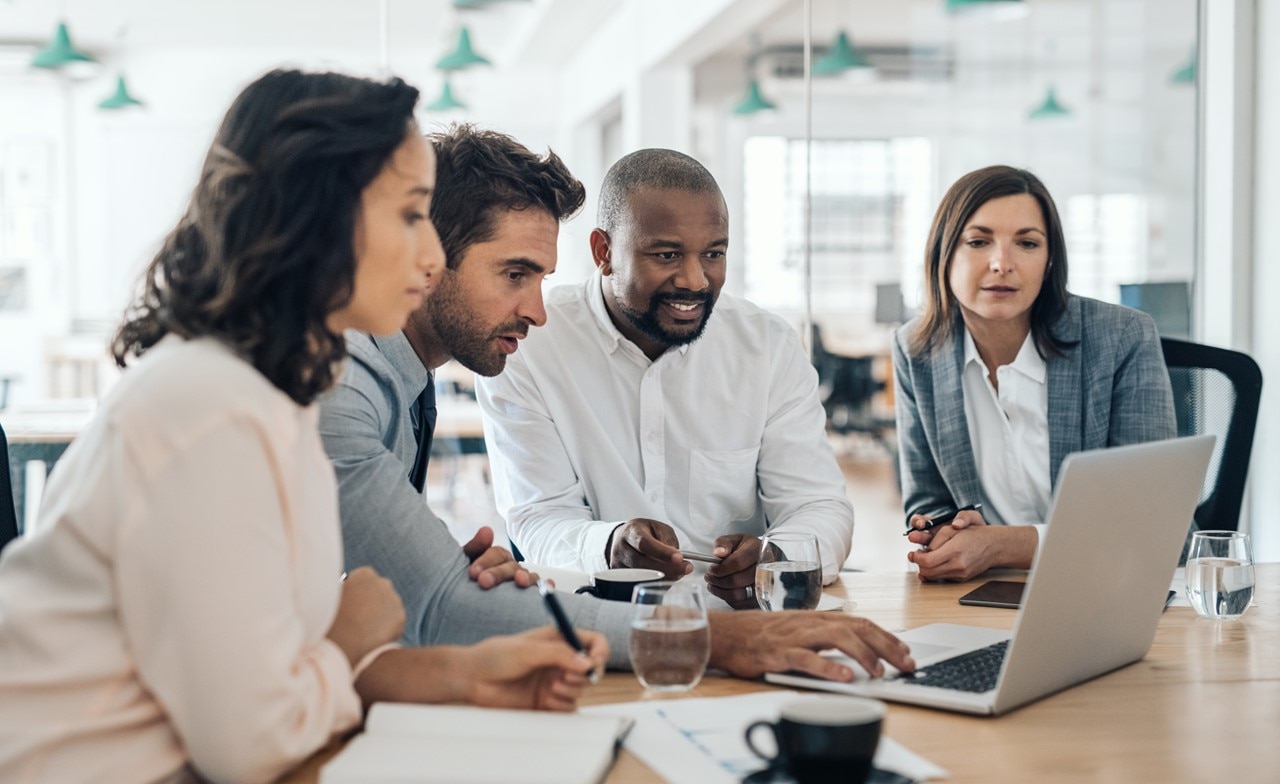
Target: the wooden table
pixel 1204 705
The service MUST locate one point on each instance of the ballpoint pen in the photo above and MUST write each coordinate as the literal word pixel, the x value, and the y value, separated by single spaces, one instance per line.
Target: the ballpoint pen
pixel 562 623
pixel 944 518
pixel 692 555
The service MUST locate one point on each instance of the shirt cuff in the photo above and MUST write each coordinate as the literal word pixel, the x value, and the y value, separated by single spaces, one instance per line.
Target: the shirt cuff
pixel 593 543
pixel 369 658
pixel 1040 529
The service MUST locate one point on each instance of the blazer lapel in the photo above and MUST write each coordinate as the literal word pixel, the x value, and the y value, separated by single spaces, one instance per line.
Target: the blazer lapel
pixel 1064 379
pixel 956 464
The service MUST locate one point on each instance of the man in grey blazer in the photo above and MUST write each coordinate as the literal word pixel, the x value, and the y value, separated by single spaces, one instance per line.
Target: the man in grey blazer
pixel 497 207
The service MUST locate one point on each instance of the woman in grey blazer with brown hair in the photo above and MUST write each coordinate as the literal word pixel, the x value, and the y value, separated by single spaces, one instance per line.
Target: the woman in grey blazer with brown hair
pixel 1005 373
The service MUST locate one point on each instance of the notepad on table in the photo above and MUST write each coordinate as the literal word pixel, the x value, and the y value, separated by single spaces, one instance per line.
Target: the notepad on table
pixel 433 743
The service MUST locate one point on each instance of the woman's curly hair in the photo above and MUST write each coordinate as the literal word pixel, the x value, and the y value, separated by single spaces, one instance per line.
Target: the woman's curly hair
pixel 265 251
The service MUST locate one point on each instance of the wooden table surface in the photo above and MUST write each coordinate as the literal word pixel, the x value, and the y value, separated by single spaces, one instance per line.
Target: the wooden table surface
pixel 1203 705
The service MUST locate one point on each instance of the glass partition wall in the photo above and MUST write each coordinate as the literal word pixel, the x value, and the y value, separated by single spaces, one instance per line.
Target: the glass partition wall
pixel 832 126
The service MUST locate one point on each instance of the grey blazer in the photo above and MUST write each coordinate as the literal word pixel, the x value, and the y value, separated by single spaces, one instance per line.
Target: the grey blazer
pixel 1110 388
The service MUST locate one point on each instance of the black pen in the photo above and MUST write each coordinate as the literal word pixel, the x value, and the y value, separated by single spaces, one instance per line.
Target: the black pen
pixel 944 519
pixel 562 623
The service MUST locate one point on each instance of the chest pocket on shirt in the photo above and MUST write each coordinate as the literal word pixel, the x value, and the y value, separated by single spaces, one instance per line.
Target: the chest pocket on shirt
pixel 722 487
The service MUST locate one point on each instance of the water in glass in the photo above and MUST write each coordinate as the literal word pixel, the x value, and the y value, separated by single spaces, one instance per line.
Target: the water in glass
pixel 789 585
pixel 789 573
pixel 670 640
pixel 1220 574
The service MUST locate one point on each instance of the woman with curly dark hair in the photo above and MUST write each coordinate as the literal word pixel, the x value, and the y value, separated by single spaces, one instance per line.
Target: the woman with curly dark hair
pixel 177 613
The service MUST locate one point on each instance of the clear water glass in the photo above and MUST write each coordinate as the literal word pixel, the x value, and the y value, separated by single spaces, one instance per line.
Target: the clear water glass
pixel 1220 574
pixel 789 574
pixel 670 639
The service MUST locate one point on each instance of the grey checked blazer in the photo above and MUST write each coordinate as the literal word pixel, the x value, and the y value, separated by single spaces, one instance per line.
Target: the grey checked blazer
pixel 1110 388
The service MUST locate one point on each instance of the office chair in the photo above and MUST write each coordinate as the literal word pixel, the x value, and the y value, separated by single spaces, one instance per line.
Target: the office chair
pixel 8 514
pixel 1216 390
pixel 846 387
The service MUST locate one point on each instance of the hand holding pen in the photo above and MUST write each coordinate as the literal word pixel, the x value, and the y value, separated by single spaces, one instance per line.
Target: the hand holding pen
pixel 566 629
pixel 942 519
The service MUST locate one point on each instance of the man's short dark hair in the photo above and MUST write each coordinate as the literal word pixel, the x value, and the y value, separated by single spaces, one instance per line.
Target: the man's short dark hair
pixel 480 173
pixel 652 168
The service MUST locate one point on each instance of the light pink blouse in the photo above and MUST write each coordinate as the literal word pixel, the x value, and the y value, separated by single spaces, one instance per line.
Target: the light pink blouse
pixel 171 606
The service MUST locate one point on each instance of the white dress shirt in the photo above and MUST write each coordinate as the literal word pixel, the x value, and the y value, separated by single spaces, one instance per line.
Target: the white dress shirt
pixel 1009 433
pixel 172 606
pixel 723 435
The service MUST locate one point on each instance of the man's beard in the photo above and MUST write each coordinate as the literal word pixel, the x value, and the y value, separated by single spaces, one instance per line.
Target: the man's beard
pixel 462 334
pixel 649 323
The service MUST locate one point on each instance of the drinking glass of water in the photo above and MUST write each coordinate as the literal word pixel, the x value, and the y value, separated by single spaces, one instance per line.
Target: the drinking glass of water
pixel 1220 574
pixel 670 640
pixel 789 574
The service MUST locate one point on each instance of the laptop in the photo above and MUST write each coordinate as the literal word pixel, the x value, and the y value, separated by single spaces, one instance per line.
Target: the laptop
pixel 1116 528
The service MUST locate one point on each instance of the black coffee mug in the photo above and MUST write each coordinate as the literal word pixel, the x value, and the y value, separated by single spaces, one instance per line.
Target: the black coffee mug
pixel 617 585
pixel 824 739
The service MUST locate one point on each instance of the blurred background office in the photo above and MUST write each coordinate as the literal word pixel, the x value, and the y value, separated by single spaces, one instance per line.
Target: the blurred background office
pixel 833 127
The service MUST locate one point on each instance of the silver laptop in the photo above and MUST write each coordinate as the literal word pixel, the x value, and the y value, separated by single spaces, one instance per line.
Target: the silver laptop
pixel 1092 602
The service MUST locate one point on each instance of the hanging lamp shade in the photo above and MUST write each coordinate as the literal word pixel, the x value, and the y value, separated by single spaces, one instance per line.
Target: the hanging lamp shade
pixel 59 52
pixel 753 101
pixel 1187 74
pixel 1002 8
pixel 1049 107
pixel 446 102
pixel 840 57
pixel 462 56
pixel 120 99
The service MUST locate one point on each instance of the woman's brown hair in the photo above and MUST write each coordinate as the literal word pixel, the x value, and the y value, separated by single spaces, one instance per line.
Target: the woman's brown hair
pixel 266 251
pixel 940 318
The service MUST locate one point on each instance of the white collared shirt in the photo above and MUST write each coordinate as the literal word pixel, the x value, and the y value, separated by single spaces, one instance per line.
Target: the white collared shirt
pixel 1009 433
pixel 715 437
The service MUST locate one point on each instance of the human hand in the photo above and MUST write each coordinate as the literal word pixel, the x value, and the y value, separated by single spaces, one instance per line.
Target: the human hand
pixel 369 614
pixel 963 553
pixel 535 669
pixel 736 572
pixel 749 644
pixel 491 565
pixel 963 519
pixel 648 544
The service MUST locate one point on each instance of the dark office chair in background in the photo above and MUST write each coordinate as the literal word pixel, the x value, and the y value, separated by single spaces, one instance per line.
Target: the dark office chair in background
pixel 846 387
pixel 8 515
pixel 1216 390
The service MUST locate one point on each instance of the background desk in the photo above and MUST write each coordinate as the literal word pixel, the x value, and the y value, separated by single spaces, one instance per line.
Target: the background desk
pixel 1204 705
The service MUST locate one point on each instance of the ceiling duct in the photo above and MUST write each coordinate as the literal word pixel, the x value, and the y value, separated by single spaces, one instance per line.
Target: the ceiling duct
pixel 891 62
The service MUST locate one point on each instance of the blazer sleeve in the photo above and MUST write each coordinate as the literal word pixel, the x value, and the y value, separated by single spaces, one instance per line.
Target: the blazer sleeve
pixel 923 489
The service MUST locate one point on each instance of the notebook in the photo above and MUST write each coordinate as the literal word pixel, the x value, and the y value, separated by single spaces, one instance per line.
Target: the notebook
pixel 1093 599
pixel 459 745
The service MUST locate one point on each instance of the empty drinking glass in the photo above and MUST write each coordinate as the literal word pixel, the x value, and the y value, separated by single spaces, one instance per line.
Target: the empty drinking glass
pixel 1220 574
pixel 789 575
pixel 670 640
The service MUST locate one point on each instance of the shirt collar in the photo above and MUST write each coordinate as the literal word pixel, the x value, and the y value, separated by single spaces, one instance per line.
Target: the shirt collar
pixel 1028 362
pixel 613 337
pixel 399 352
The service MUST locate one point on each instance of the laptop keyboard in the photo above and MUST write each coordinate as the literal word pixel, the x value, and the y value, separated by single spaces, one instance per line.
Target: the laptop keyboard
pixel 975 671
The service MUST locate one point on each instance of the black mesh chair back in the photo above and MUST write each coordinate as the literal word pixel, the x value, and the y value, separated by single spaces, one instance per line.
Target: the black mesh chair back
pixel 8 515
pixel 1216 390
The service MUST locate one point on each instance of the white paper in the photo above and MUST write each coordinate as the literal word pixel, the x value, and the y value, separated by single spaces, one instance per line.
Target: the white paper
pixel 700 740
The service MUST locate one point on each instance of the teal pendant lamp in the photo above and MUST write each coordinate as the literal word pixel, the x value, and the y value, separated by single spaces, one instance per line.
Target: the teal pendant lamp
pixel 120 99
pixel 59 52
pixel 1049 107
pixel 1187 74
pixel 840 57
pixel 754 102
pixel 462 56
pixel 446 102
